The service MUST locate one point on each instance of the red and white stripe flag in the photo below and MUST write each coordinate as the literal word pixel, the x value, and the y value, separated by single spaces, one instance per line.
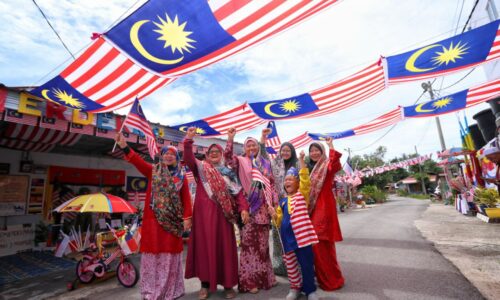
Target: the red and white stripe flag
pixel 136 120
pixel 268 192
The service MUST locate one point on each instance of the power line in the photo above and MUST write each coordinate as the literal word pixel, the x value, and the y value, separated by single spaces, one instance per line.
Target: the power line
pixel 53 29
pixel 456 82
pixel 86 45
pixel 470 16
pixel 460 16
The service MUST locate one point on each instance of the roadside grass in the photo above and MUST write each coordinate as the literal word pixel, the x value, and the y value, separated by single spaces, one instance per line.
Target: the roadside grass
pixel 418 196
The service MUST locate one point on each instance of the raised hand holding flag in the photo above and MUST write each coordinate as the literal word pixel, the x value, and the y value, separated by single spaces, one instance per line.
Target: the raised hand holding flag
pixel 136 120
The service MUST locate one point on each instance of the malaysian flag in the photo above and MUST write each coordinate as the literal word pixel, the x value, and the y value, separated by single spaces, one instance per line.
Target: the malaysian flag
pixel 347 167
pixel 326 100
pixel 136 120
pixel 463 51
pixel 390 118
pixel 301 140
pixel 25 145
pixel 40 135
pixel 455 101
pixel 273 142
pixel 136 188
pixel 54 123
pixel 331 98
pixel 387 119
pixel 133 60
pixel 105 133
pixel 14 116
pixel 241 117
pixel 268 191
pixel 81 129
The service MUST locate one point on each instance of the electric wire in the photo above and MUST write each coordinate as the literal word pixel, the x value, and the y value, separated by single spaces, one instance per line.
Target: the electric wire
pixel 53 29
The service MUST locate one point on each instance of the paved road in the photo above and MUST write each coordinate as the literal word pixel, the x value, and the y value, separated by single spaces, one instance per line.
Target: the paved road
pixel 383 256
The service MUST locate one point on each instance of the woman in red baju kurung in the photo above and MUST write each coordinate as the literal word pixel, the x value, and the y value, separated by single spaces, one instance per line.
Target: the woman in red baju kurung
pixel 161 241
pixel 212 255
pixel 323 211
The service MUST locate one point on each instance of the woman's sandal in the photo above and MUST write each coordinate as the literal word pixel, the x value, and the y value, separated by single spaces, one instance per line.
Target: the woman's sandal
pixel 229 293
pixel 254 291
pixel 203 294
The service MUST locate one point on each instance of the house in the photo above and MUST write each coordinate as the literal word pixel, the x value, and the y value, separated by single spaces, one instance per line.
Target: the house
pixel 414 186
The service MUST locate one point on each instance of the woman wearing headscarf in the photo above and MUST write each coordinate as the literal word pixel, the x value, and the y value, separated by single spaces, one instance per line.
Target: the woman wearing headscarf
pixel 167 213
pixel 212 254
pixel 256 271
pixel 286 159
pixel 323 211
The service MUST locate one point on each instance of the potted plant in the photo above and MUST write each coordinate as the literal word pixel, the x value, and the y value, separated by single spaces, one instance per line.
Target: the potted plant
pixel 488 199
pixel 41 234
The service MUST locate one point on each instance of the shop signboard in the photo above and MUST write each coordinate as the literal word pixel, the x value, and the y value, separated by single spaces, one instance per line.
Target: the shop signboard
pixel 13 192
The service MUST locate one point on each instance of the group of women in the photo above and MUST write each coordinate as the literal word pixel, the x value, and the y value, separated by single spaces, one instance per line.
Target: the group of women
pixel 230 191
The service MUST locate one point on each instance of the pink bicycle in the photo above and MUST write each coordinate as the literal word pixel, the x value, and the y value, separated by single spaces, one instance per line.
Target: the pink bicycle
pixel 96 262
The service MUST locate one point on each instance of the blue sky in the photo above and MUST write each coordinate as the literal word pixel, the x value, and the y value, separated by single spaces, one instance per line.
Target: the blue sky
pixel 334 44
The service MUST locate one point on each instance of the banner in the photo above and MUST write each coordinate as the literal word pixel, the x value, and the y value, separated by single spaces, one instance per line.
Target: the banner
pixel 165 39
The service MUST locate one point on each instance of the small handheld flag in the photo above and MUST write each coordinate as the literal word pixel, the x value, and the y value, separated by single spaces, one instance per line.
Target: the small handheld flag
pixel 136 120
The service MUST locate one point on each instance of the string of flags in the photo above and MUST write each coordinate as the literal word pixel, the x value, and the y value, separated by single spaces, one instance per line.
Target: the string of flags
pixel 356 175
pixel 443 105
pixel 464 51
pixel 130 62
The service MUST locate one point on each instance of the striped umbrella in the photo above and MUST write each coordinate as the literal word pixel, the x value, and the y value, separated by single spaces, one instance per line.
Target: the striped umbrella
pixel 98 202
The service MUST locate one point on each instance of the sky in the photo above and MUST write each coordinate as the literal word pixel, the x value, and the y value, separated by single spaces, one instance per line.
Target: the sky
pixel 338 42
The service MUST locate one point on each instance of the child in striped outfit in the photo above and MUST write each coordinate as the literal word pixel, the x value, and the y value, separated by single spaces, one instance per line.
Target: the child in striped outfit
pixel 297 232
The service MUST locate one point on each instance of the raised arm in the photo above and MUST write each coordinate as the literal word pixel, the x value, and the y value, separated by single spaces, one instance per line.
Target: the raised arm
pixel 188 155
pixel 334 164
pixel 229 157
pixel 305 181
pixel 262 144
pixel 131 156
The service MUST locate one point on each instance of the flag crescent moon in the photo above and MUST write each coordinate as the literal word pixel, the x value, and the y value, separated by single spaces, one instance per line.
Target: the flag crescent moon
pixel 133 184
pixel 183 128
pixel 420 109
pixel 268 111
pixel 134 38
pixel 44 94
pixel 410 63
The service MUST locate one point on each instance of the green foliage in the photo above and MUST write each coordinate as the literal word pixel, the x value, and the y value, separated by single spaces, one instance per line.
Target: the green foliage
pixel 488 197
pixel 373 192
pixel 403 193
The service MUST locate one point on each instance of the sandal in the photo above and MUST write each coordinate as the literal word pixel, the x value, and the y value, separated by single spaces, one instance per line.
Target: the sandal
pixel 229 294
pixel 203 294
pixel 254 291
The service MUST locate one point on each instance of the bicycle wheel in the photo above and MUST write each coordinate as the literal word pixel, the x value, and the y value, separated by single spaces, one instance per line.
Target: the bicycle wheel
pixel 84 276
pixel 127 274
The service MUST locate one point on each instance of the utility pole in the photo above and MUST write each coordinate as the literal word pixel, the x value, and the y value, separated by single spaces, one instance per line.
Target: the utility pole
pixel 348 187
pixel 427 86
pixel 420 170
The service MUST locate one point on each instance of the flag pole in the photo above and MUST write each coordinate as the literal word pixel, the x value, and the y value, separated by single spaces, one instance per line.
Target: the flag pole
pixel 123 125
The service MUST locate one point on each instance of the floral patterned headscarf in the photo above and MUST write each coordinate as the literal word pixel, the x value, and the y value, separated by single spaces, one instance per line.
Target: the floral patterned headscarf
pixel 318 171
pixel 166 183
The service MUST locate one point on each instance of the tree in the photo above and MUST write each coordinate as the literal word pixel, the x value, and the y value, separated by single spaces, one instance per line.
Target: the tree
pixel 376 159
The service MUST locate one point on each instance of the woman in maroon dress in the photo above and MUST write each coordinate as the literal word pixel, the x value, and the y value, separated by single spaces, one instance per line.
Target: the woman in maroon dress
pixel 212 255
pixel 162 223
pixel 323 211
